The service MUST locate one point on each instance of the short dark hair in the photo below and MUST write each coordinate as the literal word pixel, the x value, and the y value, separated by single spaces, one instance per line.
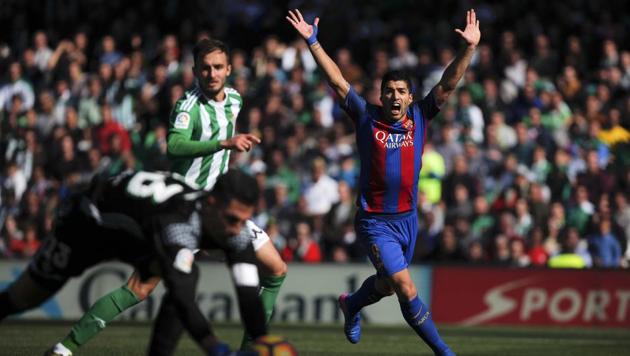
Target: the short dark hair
pixel 396 75
pixel 208 45
pixel 236 185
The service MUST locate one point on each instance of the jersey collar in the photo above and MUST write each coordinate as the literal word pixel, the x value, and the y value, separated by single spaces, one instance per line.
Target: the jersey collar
pixel 213 102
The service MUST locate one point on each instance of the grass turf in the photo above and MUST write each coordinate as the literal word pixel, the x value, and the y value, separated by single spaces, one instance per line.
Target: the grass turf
pixel 32 338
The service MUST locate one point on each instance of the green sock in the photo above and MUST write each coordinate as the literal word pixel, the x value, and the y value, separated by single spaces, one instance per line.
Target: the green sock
pixel 269 288
pixel 102 312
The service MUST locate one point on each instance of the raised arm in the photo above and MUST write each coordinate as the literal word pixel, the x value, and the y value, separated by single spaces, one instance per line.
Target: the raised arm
pixel 330 68
pixel 456 69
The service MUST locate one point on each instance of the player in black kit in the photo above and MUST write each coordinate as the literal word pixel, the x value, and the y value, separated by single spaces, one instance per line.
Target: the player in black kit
pixel 154 222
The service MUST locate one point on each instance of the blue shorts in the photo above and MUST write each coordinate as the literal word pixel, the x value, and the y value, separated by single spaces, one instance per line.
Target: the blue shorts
pixel 388 238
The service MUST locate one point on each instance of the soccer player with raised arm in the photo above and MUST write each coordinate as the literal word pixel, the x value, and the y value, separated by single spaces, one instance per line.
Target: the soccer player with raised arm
pixel 154 222
pixel 390 140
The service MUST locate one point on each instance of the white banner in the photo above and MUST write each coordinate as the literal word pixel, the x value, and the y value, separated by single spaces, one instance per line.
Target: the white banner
pixel 309 294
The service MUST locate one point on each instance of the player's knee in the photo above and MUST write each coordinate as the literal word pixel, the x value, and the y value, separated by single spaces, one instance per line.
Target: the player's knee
pixel 406 290
pixel 142 290
pixel 384 287
pixel 141 293
pixel 386 291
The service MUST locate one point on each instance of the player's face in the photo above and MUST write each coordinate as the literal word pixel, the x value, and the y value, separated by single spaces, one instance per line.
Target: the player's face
pixel 211 71
pixel 396 98
pixel 232 218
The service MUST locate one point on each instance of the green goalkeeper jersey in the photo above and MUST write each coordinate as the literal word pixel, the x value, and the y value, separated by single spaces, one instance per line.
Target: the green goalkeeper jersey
pixel 196 126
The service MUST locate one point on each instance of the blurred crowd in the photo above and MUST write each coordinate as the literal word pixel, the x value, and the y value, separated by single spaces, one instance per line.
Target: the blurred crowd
pixel 527 165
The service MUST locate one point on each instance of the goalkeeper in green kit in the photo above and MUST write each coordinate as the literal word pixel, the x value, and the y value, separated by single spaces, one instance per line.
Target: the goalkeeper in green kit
pixel 201 137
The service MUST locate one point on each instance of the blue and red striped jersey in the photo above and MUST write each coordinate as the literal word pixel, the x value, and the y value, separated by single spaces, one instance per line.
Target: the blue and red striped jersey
pixel 390 153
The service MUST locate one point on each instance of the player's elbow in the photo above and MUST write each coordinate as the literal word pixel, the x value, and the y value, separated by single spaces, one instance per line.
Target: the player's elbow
pixel 172 151
pixel 280 269
pixel 341 84
pixel 447 87
pixel 173 146
pixel 341 87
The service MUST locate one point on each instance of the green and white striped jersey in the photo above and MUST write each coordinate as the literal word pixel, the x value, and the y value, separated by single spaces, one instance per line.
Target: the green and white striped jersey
pixel 201 119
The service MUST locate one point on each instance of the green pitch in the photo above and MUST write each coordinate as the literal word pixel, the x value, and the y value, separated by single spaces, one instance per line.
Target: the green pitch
pixel 32 338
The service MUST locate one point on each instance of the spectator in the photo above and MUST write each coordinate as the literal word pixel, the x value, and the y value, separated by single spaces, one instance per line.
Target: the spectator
pixel 14 237
pixel 349 69
pixel 475 253
pixel 108 129
pixel 461 206
pixel 518 253
pixel 504 134
pixel 68 161
pixel 303 248
pixel 449 248
pixel 28 245
pixel 403 57
pixel 14 181
pixel 109 53
pixel 449 147
pixel 501 250
pixel 537 252
pixel 595 180
pixel 523 221
pixel 545 59
pixel 42 51
pixel 432 173
pixel 89 112
pixel 338 221
pixel 469 115
pixel 622 217
pixel 16 86
pixel 604 247
pixel 322 192
pixel 568 258
pixel 581 211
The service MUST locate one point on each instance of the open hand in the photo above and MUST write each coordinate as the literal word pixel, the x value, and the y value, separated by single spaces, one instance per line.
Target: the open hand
pixel 471 33
pixel 302 27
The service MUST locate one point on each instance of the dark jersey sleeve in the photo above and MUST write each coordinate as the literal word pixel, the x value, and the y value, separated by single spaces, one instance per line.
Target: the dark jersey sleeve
pixel 241 261
pixel 355 106
pixel 428 106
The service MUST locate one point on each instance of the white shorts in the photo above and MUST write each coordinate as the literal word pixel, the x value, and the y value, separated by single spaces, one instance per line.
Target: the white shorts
pixel 256 234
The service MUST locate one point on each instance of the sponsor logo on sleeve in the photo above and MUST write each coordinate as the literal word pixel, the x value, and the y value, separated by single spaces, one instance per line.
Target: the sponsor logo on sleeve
pixel 182 120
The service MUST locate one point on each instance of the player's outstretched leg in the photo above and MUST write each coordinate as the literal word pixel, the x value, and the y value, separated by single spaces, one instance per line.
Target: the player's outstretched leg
pixel 96 319
pixel 25 293
pixel 351 305
pixel 417 314
pixel 7 306
pixel 273 272
pixel 167 329
pixel 352 321
pixel 419 318
pixel 106 309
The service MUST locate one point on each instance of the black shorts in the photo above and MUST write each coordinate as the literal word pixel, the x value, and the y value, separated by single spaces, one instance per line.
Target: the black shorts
pixel 82 238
